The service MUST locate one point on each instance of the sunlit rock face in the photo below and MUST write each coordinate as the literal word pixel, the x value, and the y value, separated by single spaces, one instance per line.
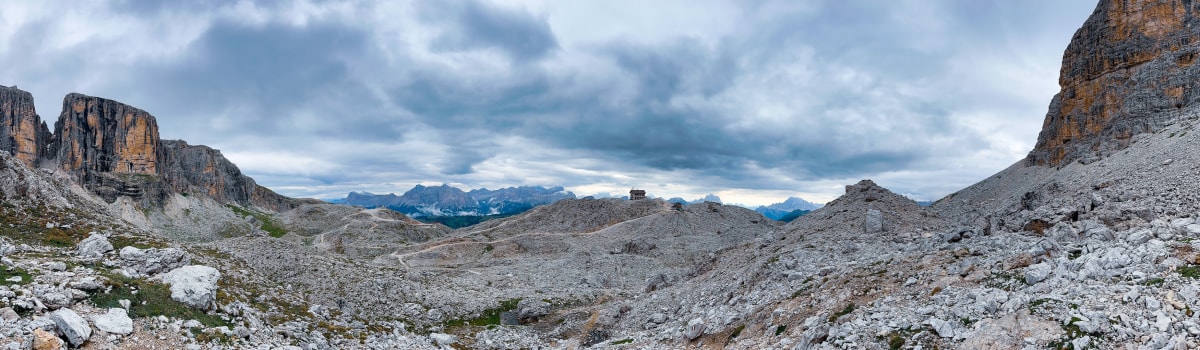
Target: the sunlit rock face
pixel 97 135
pixel 22 132
pixel 1130 69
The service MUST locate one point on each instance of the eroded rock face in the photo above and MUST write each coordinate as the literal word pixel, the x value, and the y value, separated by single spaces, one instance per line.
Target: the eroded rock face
pixel 22 132
pixel 97 135
pixel 1129 70
pixel 114 150
pixel 197 168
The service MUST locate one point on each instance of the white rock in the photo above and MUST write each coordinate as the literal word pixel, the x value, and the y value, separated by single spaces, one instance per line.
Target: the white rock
pixel 1082 342
pixel 193 285
pixel 1139 237
pixel 1037 272
pixel 93 246
pixel 873 221
pixel 71 326
pixel 443 340
pixel 695 329
pixel 56 266
pixel 1181 222
pixel 151 261
pixel 116 321
pixel 944 329
pixel 1162 322
pixel 1152 304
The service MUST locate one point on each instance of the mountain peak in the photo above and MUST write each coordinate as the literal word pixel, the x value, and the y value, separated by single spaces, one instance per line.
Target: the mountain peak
pixel 22 132
pixel 1128 70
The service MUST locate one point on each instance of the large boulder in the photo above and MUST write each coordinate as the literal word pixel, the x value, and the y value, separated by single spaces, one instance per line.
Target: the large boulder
pixel 529 310
pixel 152 261
pixel 71 326
pixel 93 247
pixel 1037 273
pixel 193 285
pixel 116 321
pixel 694 329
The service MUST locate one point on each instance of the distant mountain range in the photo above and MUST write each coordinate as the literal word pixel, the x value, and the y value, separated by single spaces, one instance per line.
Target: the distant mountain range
pixel 446 200
pixel 707 198
pixel 788 209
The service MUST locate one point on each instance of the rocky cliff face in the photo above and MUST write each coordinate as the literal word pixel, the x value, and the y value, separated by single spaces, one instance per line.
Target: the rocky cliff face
pixel 22 132
pixel 202 169
pixel 1129 70
pixel 114 150
pixel 96 135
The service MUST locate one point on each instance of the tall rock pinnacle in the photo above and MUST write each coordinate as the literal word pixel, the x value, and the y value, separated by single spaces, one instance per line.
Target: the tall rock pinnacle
pixel 1129 70
pixel 22 132
pixel 100 135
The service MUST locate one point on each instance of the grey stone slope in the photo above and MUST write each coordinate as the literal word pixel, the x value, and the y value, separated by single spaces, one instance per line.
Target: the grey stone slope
pixel 357 232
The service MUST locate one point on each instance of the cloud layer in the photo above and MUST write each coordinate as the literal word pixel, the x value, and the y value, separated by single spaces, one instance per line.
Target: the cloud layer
pixel 752 100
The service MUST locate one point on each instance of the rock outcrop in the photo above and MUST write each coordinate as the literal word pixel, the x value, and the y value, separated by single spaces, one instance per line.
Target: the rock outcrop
pixel 1129 70
pixel 202 169
pixel 113 150
pixel 22 132
pixel 95 135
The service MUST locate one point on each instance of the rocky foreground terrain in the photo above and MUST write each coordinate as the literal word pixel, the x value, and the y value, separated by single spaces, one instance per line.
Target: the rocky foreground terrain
pixel 111 238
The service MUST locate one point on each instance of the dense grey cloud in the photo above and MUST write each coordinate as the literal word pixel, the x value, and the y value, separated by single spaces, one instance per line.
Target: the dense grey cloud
pixel 754 101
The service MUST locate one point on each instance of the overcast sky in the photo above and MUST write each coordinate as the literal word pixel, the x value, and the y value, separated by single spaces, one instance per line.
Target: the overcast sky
pixel 754 101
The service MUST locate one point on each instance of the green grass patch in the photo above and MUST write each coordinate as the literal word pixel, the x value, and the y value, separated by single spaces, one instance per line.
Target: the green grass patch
pixel 845 311
pixel 1038 305
pixel 268 224
pixel 9 272
pixel 152 299
pixel 488 317
pixel 29 224
pixel 1189 271
pixel 736 332
pixel 1153 282
pixel 622 341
